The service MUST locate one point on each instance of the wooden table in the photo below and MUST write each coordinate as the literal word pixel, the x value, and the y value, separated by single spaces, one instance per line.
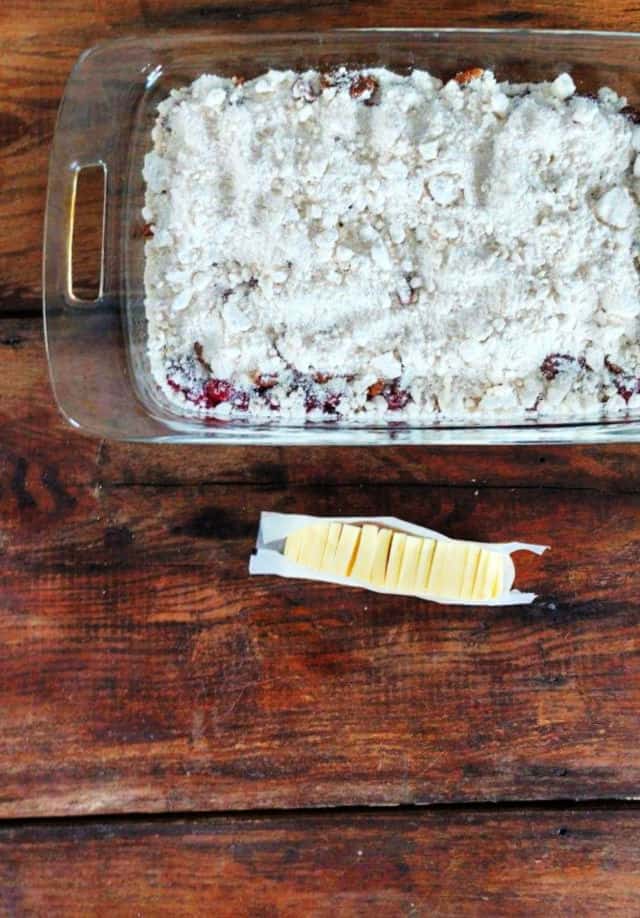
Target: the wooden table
pixel 175 737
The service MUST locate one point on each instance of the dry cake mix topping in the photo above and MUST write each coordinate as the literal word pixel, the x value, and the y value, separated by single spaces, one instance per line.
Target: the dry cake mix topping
pixel 364 244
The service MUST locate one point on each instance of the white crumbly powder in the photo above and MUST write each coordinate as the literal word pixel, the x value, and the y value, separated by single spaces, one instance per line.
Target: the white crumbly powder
pixel 376 245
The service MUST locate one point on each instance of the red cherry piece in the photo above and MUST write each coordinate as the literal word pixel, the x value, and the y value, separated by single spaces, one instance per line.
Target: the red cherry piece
pixel 395 397
pixel 189 394
pixel 331 403
pixel 241 401
pixel 554 363
pixel 631 113
pixel 364 88
pixel 627 388
pixel 216 391
pixel 614 368
pixel 310 402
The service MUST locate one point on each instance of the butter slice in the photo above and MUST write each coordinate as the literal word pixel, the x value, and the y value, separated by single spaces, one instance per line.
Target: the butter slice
pixel 292 545
pixel 380 558
pixel 479 587
pixel 346 550
pixel 489 577
pixel 329 553
pixel 445 580
pixel 470 571
pixel 398 542
pixel 363 564
pixel 313 541
pixel 409 565
pixel 497 584
pixel 424 564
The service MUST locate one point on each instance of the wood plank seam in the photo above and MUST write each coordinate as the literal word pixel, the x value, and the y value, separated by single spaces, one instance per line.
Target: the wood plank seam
pixel 488 807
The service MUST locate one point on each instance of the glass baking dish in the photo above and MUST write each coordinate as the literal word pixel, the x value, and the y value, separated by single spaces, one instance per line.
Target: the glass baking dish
pixel 97 349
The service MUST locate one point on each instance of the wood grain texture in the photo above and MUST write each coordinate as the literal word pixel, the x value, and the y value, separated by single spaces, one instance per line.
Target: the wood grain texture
pixel 143 670
pixel 40 42
pixel 481 863
pixel 35 436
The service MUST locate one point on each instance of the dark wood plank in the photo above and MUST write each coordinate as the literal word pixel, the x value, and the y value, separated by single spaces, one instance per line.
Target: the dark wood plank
pixel 39 43
pixel 478 862
pixel 144 670
pixel 36 439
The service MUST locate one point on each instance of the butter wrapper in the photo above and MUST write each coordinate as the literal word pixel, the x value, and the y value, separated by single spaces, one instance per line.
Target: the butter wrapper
pixel 275 527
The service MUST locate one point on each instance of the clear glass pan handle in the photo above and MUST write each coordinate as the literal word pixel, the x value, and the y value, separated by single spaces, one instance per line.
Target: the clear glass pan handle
pixel 85 340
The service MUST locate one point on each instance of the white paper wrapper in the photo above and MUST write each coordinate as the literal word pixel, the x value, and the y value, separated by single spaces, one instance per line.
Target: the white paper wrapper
pixel 275 527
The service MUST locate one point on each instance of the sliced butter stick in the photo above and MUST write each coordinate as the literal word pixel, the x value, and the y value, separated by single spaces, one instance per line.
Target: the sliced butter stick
pixel 446 569
pixel 363 564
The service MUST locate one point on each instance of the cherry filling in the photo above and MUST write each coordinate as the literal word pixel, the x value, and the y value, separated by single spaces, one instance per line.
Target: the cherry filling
pixel 554 364
pixel 558 363
pixel 327 403
pixel 396 397
pixel 265 381
pixel 366 88
pixel 213 393
pixel 315 388
pixel 466 76
pixel 316 396
pixel 624 391
pixel 217 391
pixel 194 397
pixel 626 385
pixel 631 113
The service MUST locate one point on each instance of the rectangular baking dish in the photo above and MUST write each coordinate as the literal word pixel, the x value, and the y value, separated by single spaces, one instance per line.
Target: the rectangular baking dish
pixel 97 349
